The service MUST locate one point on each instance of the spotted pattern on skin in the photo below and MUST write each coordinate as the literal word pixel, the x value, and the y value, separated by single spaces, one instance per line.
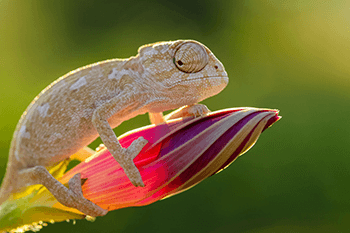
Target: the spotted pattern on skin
pixel 59 121
pixel 16 156
pixel 118 74
pixel 43 109
pixel 81 82
pixel 23 133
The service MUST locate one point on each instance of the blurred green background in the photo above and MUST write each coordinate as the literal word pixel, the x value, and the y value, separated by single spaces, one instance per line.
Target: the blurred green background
pixel 290 55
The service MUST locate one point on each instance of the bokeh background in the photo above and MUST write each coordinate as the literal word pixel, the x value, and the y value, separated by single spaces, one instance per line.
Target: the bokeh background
pixel 290 55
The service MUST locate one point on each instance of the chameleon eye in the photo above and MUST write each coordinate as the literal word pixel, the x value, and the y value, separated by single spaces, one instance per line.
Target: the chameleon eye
pixel 191 57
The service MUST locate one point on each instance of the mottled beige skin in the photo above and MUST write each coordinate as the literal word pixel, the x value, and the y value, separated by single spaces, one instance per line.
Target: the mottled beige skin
pixel 88 102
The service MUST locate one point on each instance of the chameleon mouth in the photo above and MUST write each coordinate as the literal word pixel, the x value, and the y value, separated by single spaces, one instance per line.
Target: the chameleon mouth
pixel 211 81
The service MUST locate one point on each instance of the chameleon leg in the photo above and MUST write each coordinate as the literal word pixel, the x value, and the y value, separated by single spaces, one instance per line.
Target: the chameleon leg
pixel 185 111
pixel 70 197
pixel 188 110
pixel 124 156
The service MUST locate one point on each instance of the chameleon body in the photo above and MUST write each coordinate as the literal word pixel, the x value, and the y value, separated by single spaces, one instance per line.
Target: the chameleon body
pixel 88 102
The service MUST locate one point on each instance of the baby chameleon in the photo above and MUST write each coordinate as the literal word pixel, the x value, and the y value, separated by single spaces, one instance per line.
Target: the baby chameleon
pixel 88 102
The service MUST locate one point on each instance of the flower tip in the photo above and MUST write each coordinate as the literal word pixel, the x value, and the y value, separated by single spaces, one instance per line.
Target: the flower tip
pixel 273 119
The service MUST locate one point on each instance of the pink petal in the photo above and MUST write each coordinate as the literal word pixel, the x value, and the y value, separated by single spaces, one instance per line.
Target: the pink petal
pixel 179 155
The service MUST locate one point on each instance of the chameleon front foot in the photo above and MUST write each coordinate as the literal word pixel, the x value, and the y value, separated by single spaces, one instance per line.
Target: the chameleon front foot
pixel 188 110
pixel 127 163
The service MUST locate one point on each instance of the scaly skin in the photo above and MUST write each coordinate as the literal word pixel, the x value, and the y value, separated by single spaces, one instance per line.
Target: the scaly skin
pixel 88 102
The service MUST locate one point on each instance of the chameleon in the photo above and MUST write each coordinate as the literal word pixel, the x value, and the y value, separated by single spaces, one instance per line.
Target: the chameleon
pixel 90 101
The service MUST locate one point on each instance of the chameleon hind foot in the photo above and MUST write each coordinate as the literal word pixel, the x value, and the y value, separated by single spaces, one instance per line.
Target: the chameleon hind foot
pixel 70 197
pixel 78 201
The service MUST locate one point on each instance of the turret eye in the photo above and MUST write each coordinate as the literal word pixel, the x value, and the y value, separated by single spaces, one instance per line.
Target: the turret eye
pixel 191 57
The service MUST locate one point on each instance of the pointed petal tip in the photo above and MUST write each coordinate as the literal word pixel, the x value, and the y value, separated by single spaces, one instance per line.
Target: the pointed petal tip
pixel 273 119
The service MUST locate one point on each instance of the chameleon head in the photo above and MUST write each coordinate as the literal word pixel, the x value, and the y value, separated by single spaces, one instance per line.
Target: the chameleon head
pixel 186 69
